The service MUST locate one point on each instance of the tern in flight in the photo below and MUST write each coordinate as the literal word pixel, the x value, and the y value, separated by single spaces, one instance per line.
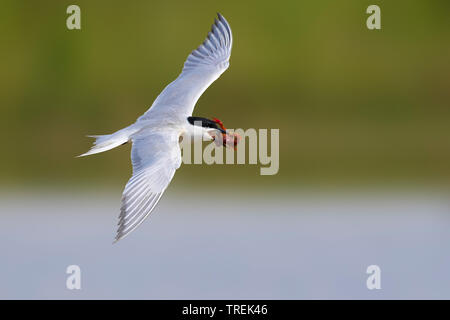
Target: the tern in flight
pixel 156 153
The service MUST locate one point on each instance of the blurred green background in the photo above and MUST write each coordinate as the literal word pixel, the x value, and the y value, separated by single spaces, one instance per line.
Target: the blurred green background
pixel 354 106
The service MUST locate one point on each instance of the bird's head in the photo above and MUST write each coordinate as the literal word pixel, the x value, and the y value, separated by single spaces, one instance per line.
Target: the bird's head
pixel 217 131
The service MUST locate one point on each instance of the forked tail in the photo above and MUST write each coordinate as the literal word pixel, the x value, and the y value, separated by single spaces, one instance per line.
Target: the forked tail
pixel 110 141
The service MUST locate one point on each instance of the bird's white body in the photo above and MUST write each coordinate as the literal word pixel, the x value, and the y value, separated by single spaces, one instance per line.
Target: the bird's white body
pixel 155 135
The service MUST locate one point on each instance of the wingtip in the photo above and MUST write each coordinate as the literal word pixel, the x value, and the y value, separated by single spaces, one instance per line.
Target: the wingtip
pixel 117 238
pixel 221 17
pixel 225 23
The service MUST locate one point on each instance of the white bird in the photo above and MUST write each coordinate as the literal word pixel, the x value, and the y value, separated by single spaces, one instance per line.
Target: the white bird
pixel 156 154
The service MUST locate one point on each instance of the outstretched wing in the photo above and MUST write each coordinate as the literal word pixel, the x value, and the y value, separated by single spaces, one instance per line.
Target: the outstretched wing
pixel 202 67
pixel 155 157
